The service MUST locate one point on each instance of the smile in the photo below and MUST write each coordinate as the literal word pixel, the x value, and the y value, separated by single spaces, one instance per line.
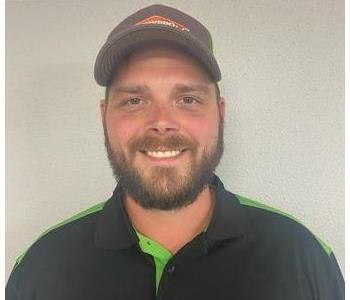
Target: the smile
pixel 163 154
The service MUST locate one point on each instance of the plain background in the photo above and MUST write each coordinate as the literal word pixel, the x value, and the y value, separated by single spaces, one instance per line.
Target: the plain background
pixel 283 77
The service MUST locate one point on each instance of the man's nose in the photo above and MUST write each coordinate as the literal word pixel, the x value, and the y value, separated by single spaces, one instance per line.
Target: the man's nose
pixel 163 120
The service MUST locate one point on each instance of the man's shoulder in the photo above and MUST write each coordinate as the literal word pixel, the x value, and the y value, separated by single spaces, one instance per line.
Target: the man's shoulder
pixel 278 243
pixel 269 222
pixel 73 232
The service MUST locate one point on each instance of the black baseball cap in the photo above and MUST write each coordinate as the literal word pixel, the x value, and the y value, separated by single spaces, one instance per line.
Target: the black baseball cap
pixel 156 23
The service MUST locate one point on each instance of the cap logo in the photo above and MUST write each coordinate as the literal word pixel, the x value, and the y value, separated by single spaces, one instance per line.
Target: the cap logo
pixel 163 21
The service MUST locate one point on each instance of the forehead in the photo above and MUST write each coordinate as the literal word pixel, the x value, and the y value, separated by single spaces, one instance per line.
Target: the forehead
pixel 161 59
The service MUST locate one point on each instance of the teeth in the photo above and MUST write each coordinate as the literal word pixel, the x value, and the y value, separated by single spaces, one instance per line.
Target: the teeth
pixel 163 154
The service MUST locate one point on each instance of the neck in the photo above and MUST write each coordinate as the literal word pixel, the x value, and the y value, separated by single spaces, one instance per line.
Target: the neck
pixel 172 229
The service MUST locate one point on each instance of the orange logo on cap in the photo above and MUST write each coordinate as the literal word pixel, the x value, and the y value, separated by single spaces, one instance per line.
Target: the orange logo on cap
pixel 163 21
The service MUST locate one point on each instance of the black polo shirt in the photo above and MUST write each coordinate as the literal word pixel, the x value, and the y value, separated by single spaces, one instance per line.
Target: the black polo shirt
pixel 249 251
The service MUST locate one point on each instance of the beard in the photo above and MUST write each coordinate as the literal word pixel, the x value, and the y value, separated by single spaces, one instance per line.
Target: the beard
pixel 165 188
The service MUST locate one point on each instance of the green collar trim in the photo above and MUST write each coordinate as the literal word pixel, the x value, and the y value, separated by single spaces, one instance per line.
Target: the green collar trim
pixel 153 248
pixel 160 254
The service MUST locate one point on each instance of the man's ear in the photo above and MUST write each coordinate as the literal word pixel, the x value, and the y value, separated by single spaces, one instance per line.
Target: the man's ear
pixel 103 108
pixel 222 108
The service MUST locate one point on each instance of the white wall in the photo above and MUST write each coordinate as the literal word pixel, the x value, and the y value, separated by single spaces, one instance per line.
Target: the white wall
pixel 283 76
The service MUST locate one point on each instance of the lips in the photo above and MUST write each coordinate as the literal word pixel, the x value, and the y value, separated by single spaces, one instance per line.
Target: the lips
pixel 163 154
pixel 168 149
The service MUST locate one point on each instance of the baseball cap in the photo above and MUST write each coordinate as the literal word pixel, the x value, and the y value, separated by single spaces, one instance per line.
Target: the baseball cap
pixel 156 23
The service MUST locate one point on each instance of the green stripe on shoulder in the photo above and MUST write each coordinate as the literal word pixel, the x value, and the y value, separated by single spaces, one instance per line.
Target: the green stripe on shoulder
pixel 249 202
pixel 79 215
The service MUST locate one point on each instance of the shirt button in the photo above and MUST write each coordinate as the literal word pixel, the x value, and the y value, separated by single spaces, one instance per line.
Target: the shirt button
pixel 171 269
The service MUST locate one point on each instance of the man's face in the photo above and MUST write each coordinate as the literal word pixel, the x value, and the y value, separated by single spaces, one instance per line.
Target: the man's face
pixel 163 127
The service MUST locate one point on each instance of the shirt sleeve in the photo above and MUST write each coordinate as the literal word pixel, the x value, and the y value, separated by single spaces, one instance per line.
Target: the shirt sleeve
pixel 326 279
pixel 11 292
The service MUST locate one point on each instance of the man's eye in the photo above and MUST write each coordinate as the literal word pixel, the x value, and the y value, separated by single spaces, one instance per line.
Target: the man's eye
pixel 134 101
pixel 188 100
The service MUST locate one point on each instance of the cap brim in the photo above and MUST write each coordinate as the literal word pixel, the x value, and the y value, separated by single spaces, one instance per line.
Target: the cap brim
pixel 114 50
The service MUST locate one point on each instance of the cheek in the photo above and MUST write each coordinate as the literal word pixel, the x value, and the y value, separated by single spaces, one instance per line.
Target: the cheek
pixel 121 130
pixel 204 130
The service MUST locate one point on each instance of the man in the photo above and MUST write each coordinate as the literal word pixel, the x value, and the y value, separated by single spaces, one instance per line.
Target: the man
pixel 171 230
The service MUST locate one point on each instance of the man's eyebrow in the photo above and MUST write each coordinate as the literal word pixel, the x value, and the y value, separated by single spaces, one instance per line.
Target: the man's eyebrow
pixel 132 89
pixel 179 87
pixel 184 88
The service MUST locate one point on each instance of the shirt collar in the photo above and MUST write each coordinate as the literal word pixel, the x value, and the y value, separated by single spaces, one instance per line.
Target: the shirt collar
pixel 115 231
pixel 230 219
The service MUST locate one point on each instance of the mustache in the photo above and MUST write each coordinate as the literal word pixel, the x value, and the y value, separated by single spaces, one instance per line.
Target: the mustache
pixel 153 143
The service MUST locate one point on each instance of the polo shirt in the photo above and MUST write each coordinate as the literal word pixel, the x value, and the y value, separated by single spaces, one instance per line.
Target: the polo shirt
pixel 160 254
pixel 249 251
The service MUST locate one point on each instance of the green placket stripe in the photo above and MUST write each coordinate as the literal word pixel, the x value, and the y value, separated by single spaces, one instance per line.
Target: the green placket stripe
pixel 160 254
